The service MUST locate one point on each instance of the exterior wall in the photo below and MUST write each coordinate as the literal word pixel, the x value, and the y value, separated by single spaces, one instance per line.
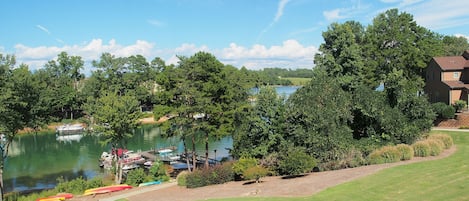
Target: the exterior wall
pixel 455 95
pixel 449 76
pixel 434 88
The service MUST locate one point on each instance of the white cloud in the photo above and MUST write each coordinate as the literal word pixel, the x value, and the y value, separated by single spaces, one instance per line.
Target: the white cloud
pixel 155 23
pixel 290 54
pixel 462 35
pixel 332 15
pixel 278 15
pixel 281 6
pixel 437 14
pixel 43 29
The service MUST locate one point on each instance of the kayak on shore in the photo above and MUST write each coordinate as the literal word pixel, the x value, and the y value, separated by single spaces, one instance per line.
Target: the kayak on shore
pixel 107 189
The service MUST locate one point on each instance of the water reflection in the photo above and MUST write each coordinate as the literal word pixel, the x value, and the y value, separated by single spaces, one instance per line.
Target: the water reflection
pixel 36 161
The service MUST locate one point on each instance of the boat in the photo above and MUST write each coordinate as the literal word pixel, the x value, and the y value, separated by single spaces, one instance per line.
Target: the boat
pixel 70 128
pixel 149 183
pixel 58 197
pixel 107 189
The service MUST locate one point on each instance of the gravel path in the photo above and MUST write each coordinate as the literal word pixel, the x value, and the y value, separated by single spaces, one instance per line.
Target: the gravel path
pixel 270 186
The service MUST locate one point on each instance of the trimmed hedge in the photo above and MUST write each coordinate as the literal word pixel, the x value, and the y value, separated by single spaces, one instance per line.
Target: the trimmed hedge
pixel 446 139
pixel 436 146
pixel 421 149
pixel 406 151
pixel 386 154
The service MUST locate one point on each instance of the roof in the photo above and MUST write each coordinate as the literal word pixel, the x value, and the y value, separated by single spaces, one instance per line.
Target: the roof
pixel 454 84
pixel 452 62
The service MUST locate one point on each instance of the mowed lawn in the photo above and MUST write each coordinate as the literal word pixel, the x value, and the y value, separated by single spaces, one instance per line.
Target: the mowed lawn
pixel 444 179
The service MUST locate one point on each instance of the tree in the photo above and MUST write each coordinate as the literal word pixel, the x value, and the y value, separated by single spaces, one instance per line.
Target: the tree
pixel 116 117
pixel 454 45
pixel 260 126
pixel 63 78
pixel 317 117
pixel 18 99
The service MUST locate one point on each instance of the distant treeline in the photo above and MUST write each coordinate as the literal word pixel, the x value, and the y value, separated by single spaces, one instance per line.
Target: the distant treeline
pixel 273 76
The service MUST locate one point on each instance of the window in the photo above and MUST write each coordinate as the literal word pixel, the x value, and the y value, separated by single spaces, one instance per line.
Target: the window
pixel 456 75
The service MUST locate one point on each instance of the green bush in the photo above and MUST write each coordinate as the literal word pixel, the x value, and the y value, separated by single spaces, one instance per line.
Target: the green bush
pixel 76 186
pixel 443 110
pixel 459 105
pixel 158 172
pixel 209 176
pixel 181 178
pixel 295 161
pixel 421 149
pixel 405 151
pixel 94 183
pixel 135 177
pixel 243 164
pixel 256 172
pixel 436 146
pixel 386 154
pixel 446 139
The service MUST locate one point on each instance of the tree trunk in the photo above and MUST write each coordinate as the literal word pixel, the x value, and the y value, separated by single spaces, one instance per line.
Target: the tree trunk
pixel 187 157
pixel 194 157
pixel 1 180
pixel 206 150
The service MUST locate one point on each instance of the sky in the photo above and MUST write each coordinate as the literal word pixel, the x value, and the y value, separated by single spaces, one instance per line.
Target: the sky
pixel 250 33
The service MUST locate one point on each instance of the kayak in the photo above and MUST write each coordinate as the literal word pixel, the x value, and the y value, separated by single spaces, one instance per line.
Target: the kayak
pixel 149 183
pixel 52 198
pixel 107 189
pixel 58 197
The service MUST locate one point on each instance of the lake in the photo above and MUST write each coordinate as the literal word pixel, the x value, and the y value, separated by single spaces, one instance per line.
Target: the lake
pixel 36 161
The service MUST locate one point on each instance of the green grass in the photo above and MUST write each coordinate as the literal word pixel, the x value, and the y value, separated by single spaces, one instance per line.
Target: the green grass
pixel 444 179
pixel 297 81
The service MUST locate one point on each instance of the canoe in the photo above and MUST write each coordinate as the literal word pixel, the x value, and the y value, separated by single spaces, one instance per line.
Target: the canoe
pixel 58 197
pixel 107 189
pixel 149 183
pixel 52 198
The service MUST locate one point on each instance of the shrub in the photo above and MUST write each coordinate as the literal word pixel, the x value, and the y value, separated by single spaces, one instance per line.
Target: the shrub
pixel 405 151
pixel 94 183
pixel 181 178
pixel 243 164
pixel 446 139
pixel 459 105
pixel 443 111
pixel 386 154
pixel 295 161
pixel 256 172
pixel 208 176
pixel 158 172
pixel 421 149
pixel 75 186
pixel 436 146
pixel 135 177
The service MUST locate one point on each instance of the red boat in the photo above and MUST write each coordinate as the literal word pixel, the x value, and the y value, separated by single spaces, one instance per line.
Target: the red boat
pixel 107 189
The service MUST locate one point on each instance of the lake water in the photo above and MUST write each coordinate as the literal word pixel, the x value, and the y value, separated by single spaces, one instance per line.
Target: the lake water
pixel 36 161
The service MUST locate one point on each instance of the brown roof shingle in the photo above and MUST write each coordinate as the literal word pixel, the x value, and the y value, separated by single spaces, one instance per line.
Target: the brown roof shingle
pixel 452 62
pixel 456 84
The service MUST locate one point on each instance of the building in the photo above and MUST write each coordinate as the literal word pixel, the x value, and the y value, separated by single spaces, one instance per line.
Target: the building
pixel 447 79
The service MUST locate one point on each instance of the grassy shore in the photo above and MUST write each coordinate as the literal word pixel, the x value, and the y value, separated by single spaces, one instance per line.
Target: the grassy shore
pixel 297 81
pixel 445 179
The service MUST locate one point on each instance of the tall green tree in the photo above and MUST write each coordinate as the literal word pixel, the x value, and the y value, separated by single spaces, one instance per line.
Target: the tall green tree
pixel 261 126
pixel 317 117
pixel 454 45
pixel 18 99
pixel 116 118
pixel 64 77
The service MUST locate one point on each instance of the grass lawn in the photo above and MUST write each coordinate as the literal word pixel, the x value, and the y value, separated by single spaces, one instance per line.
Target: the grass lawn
pixel 298 81
pixel 444 179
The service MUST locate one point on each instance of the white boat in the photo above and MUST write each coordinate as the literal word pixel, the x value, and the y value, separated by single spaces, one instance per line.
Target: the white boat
pixel 70 128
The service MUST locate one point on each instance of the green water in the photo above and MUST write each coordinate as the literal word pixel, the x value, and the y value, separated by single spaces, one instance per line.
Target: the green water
pixel 36 161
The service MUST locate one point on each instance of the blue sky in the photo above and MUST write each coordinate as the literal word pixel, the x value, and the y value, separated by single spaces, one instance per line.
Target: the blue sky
pixel 250 33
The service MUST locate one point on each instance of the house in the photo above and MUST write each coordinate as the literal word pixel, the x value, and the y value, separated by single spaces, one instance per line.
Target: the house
pixel 447 79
